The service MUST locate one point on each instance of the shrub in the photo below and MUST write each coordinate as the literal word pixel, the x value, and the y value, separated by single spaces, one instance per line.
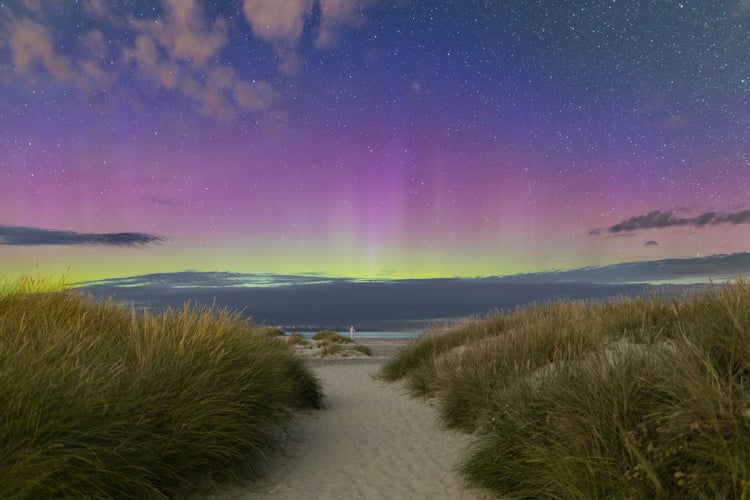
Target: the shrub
pixel 297 339
pixel 270 331
pixel 363 349
pixel 629 398
pixel 329 336
pixel 330 349
pixel 417 360
pixel 100 402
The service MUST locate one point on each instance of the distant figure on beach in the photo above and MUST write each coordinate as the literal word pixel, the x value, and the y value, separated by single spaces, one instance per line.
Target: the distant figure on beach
pixel 351 332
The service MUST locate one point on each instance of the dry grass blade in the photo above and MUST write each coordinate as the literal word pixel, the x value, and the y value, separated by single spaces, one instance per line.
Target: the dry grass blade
pixel 100 402
pixel 631 398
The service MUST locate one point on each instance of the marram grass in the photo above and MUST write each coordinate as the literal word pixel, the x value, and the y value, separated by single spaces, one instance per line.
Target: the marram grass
pixel 331 337
pixel 630 398
pixel 96 401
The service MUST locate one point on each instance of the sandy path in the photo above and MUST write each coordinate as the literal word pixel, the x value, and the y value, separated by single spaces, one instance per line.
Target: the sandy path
pixel 372 441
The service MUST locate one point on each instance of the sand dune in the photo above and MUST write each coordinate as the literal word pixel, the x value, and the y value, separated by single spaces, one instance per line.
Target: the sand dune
pixel 372 441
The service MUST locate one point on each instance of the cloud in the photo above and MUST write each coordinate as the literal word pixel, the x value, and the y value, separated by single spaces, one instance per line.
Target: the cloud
pixel 30 236
pixel 179 54
pixel 96 8
pixel 33 52
pixel 651 243
pixel 277 22
pixel 658 219
pixel 282 24
pixel 186 36
pixel 31 45
pixel 177 47
pixel 254 97
pixel 212 279
pixel 334 15
pixel 176 50
pixel 91 69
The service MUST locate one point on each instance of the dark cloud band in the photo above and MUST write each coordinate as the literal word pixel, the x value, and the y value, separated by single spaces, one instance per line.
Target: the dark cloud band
pixel 659 219
pixel 19 235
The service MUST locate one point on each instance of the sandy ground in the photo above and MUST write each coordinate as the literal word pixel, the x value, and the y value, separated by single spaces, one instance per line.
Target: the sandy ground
pixel 372 441
pixel 382 349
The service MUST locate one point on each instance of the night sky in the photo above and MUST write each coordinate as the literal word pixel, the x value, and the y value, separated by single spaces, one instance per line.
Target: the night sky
pixel 370 139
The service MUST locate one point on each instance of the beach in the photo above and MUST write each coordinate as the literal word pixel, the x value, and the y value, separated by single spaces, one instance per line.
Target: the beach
pixel 372 441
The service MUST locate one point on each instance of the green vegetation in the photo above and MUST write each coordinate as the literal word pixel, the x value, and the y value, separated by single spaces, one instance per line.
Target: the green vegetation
pixel 270 331
pixel 331 342
pixel 99 402
pixel 363 349
pixel 630 398
pixel 330 350
pixel 298 339
pixel 337 348
pixel 331 337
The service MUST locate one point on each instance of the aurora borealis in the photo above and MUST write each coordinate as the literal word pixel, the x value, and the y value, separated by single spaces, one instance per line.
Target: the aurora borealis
pixel 370 138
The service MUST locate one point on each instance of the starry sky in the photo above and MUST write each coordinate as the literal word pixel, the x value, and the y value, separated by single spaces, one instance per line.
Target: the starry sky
pixel 374 139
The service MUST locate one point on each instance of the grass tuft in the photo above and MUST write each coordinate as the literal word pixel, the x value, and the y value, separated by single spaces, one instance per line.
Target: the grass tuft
pixel 101 402
pixel 417 359
pixel 630 398
pixel 271 331
pixel 297 339
pixel 363 349
pixel 331 337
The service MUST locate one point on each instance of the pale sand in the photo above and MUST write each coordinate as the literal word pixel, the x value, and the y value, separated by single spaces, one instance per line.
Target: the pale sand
pixel 372 441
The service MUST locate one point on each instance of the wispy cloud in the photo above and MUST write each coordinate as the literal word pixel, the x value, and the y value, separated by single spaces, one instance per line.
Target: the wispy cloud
pixel 176 50
pixel 31 45
pixel 200 279
pixel 177 47
pixel 282 24
pixel 180 54
pixel 658 219
pixel 335 14
pixel 30 236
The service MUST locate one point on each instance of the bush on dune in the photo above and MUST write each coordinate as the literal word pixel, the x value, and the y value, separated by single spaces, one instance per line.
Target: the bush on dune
pixel 297 339
pixel 363 349
pixel 331 337
pixel 101 402
pixel 468 381
pixel 631 398
pixel 416 362
pixel 271 331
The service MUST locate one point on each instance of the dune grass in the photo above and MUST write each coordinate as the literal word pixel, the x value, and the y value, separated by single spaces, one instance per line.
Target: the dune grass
pixel 331 337
pixel 270 331
pixel 417 361
pixel 339 349
pixel 363 349
pixel 100 402
pixel 332 344
pixel 630 398
pixel 297 339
